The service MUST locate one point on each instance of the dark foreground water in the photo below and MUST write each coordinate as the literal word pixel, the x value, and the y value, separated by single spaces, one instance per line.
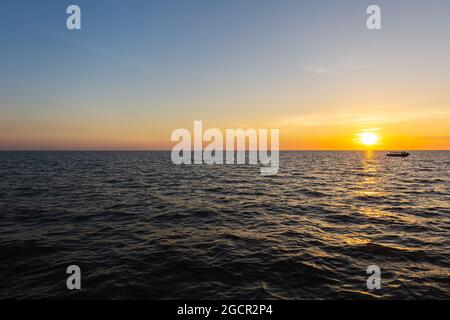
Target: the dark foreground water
pixel 141 227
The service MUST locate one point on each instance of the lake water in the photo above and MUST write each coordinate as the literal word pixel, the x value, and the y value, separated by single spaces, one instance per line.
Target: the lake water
pixel 140 227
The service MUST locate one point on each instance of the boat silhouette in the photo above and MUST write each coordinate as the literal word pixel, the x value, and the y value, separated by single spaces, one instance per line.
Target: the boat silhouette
pixel 397 154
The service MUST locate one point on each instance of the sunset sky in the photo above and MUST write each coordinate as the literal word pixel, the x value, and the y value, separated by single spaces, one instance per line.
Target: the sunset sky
pixel 137 70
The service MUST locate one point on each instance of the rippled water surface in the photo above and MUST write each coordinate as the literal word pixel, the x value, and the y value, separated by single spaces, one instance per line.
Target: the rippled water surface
pixel 141 227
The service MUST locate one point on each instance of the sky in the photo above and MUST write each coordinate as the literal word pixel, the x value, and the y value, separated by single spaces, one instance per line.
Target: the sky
pixel 137 70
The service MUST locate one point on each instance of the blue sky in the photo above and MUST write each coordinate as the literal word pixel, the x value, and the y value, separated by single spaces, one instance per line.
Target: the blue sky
pixel 163 64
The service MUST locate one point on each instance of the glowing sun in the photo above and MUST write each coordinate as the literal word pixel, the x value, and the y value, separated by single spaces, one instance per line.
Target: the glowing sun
pixel 368 138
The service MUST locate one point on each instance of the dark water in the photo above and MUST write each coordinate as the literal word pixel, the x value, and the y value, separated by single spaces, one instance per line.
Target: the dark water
pixel 141 227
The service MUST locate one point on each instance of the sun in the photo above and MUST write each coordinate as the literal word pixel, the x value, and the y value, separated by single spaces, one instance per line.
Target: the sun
pixel 368 138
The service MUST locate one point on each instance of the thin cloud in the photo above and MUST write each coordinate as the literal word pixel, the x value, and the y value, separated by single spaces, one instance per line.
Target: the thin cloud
pixel 320 119
pixel 325 70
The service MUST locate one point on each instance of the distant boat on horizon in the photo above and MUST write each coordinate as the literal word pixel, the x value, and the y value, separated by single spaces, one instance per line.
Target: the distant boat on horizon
pixel 397 154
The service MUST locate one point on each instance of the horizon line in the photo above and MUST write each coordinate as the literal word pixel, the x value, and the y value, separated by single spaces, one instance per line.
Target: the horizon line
pixel 169 150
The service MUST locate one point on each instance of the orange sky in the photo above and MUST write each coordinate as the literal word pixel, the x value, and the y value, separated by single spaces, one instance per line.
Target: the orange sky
pixel 126 84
